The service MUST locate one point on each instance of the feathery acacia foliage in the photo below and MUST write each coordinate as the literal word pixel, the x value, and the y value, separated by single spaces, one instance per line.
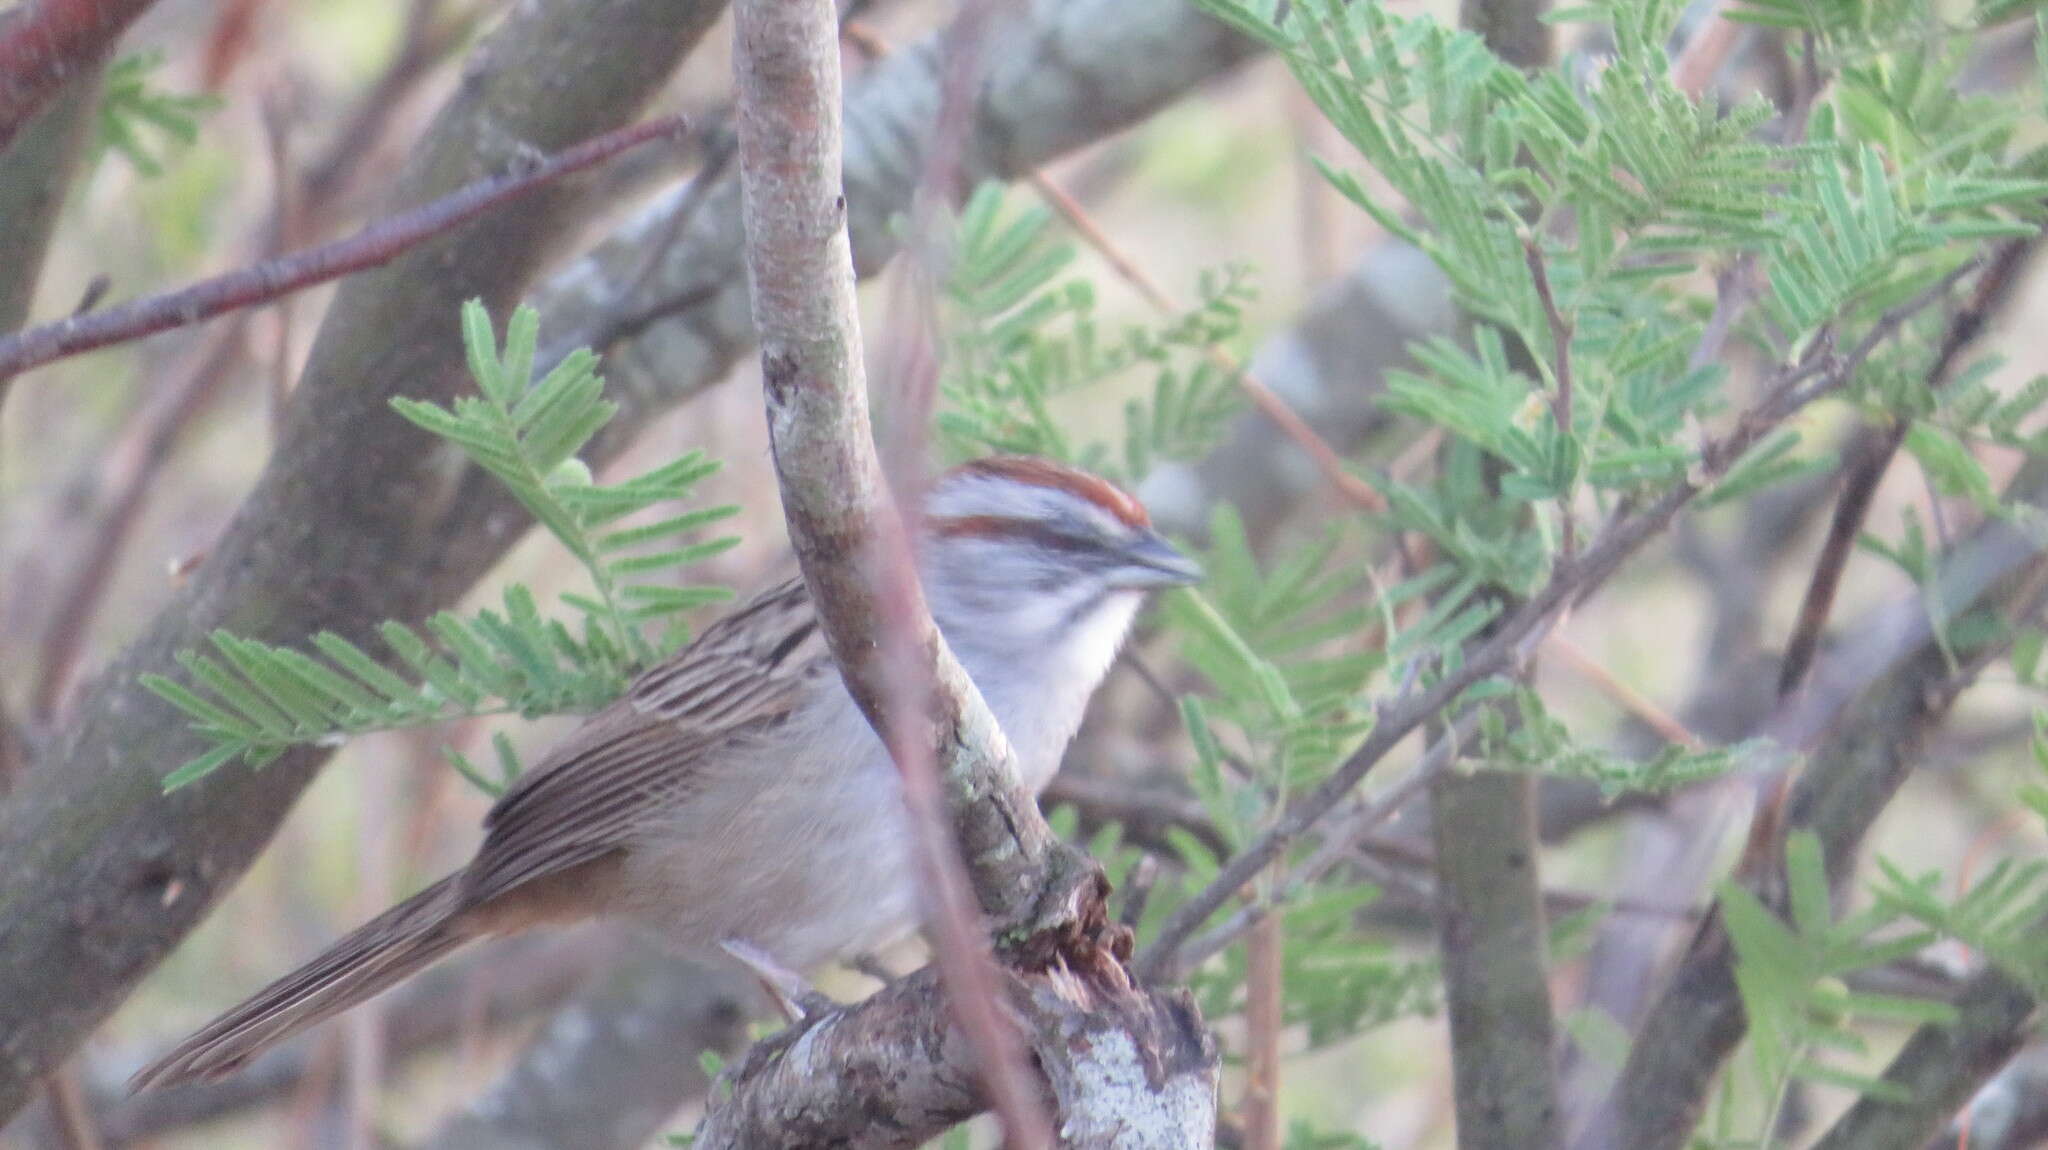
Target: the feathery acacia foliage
pixel 1020 338
pixel 254 700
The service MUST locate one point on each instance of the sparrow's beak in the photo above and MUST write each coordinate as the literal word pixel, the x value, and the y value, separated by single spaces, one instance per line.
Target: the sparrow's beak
pixel 1150 561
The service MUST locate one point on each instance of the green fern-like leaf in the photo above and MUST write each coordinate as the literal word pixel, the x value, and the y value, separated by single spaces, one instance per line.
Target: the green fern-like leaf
pixel 253 701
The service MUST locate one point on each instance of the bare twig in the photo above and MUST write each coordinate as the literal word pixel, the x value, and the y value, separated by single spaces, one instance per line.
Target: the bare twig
pixel 375 245
pixel 44 44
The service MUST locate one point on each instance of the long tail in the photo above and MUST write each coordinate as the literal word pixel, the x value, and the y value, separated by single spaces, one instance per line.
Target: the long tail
pixel 396 944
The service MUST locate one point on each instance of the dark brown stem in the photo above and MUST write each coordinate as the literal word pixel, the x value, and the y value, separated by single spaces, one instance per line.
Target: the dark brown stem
pixel 374 246
pixel 1872 454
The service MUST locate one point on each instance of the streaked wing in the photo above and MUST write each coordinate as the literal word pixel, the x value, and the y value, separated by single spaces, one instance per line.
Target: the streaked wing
pixel 742 677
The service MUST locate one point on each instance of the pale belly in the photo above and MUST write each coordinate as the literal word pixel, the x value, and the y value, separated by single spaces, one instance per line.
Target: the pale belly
pixel 806 869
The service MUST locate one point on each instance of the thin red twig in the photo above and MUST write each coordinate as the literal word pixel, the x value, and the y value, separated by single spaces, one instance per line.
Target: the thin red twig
pixel 43 45
pixel 1260 1111
pixel 1326 459
pixel 376 244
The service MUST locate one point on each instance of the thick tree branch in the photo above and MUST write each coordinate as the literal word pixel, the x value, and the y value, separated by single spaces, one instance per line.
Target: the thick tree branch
pixel 46 44
pixel 2010 1112
pixel 35 173
pixel 341 531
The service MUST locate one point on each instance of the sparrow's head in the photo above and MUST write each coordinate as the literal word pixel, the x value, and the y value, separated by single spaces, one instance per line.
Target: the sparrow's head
pixel 1040 554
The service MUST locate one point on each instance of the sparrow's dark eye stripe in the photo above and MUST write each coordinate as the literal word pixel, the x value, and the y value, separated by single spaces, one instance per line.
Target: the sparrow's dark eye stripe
pixel 1003 527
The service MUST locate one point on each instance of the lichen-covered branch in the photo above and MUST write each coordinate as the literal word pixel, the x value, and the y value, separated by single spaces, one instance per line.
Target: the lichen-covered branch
pixel 1135 1071
pixel 343 529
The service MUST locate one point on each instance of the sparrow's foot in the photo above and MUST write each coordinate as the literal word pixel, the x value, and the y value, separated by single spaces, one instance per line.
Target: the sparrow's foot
pixel 796 998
